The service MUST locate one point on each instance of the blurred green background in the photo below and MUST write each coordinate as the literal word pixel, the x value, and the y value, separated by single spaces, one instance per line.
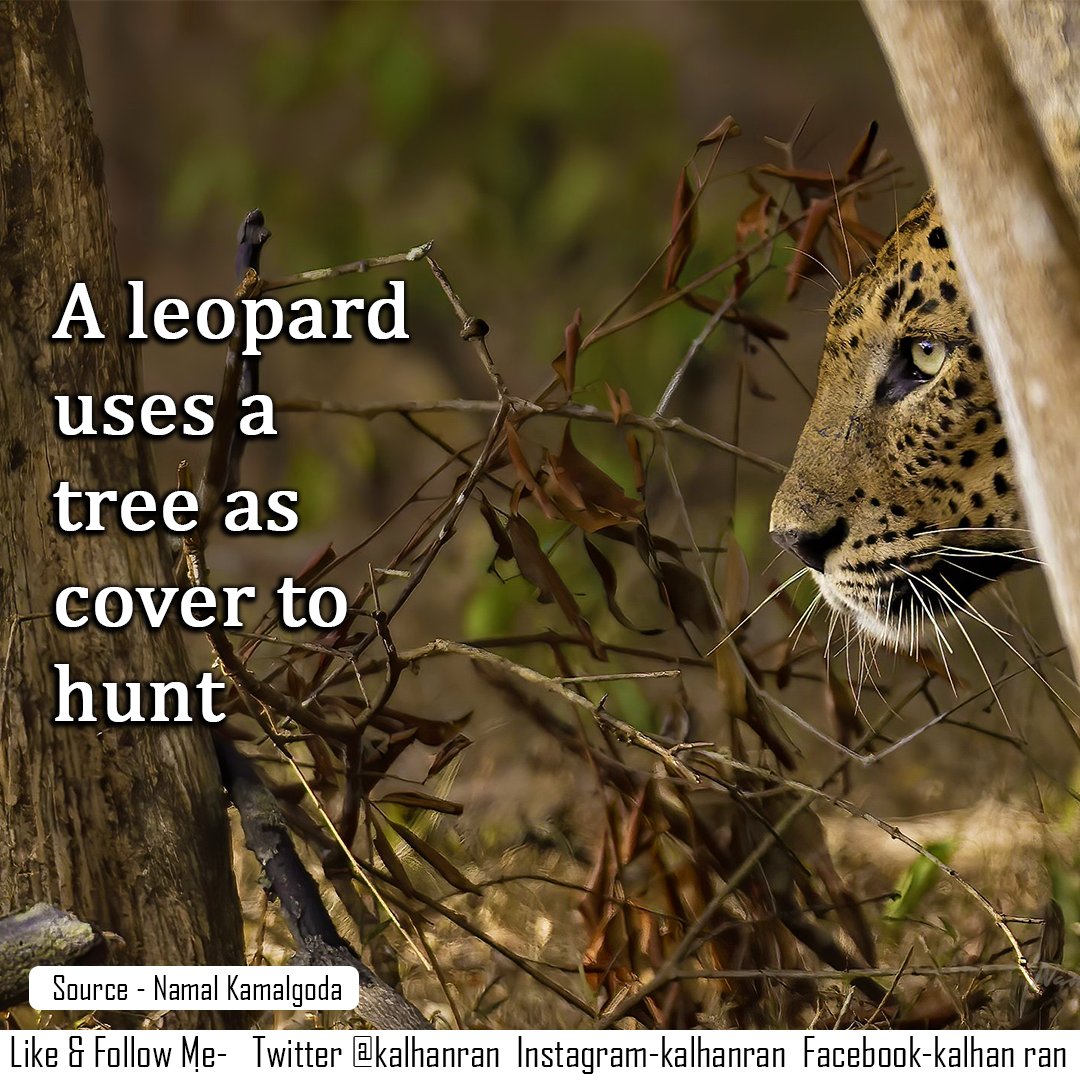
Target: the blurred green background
pixel 538 144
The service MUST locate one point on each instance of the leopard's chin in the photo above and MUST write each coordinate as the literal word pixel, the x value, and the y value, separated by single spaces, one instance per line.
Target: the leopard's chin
pixel 866 618
pixel 898 607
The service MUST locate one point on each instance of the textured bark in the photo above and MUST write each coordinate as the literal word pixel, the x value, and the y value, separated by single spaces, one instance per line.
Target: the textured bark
pixel 125 826
pixel 992 93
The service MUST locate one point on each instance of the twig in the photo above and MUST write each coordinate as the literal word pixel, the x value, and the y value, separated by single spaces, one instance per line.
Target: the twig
pixel 619 728
pixel 618 677
pixel 360 266
pixel 713 322
pixel 473 328
pixel 570 410
pixel 847 974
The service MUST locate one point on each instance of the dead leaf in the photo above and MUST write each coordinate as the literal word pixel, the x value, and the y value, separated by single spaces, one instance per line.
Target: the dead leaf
pixel 503 548
pixel 842 712
pixel 683 223
pixel 447 754
pixel 609 582
pixel 565 365
pixel 633 448
pixel 421 800
pixel 736 591
pixel 386 852
pixel 805 263
pixel 583 493
pixel 435 858
pixel 759 717
pixel 727 128
pixel 754 219
pixel 316 565
pixel 524 471
pixel 860 155
pixel 619 402
pixel 687 597
pixel 538 570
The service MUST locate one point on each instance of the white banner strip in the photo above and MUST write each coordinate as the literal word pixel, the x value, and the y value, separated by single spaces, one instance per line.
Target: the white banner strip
pixel 455 1055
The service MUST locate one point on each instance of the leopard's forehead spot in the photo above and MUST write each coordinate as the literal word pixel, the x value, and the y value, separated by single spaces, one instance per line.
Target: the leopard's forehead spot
pixel 912 277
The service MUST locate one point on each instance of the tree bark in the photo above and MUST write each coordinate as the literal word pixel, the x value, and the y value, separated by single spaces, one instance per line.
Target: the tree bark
pixel 124 826
pixel 992 92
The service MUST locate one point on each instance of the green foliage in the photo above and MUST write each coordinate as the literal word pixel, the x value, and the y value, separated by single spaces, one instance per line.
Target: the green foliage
pixel 917 881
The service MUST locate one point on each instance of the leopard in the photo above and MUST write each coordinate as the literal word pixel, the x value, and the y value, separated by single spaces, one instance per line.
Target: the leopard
pixel 901 500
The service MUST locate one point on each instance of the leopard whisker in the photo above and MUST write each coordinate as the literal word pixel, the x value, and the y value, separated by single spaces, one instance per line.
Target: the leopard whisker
pixel 813 258
pixel 804 619
pixel 835 615
pixel 952 605
pixel 776 592
pixel 840 225
pixel 974 528
pixel 938 633
pixel 1003 636
pixel 1016 554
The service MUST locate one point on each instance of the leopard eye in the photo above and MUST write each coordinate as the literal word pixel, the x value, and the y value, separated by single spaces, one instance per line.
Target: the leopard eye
pixel 927 356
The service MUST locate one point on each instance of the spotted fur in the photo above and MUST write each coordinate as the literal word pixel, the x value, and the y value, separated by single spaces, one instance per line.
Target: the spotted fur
pixel 901 496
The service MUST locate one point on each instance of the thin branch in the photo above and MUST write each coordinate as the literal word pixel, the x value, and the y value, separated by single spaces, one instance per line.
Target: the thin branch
pixel 360 266
pixel 588 413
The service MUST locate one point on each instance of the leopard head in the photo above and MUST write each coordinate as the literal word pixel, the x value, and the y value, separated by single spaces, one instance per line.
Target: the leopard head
pixel 902 498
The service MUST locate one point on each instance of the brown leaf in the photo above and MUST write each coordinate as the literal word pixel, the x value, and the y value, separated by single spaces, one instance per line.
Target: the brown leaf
pixel 503 548
pixel 687 597
pixel 633 448
pixel 759 718
pixel 316 565
pixel 389 857
pixel 931 662
pixel 805 263
pixel 619 402
pixel 447 754
pixel 868 238
pixel 538 570
pixel 421 800
pixel 844 253
pixel 753 324
pixel 608 580
pixel 426 730
pixel 565 365
pixel 803 179
pixel 435 858
pixel 524 471
pixel 736 590
pixel 646 543
pixel 852 918
pixel 756 325
pixel 755 219
pixel 584 493
pixel 732 681
pixel 727 128
pixel 755 388
pixel 682 230
pixel 861 154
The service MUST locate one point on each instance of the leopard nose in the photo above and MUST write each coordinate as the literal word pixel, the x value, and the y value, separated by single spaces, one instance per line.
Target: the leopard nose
pixel 812 547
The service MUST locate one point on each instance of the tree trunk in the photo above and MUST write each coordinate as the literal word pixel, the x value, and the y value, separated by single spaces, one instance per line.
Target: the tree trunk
pixel 122 825
pixel 992 92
